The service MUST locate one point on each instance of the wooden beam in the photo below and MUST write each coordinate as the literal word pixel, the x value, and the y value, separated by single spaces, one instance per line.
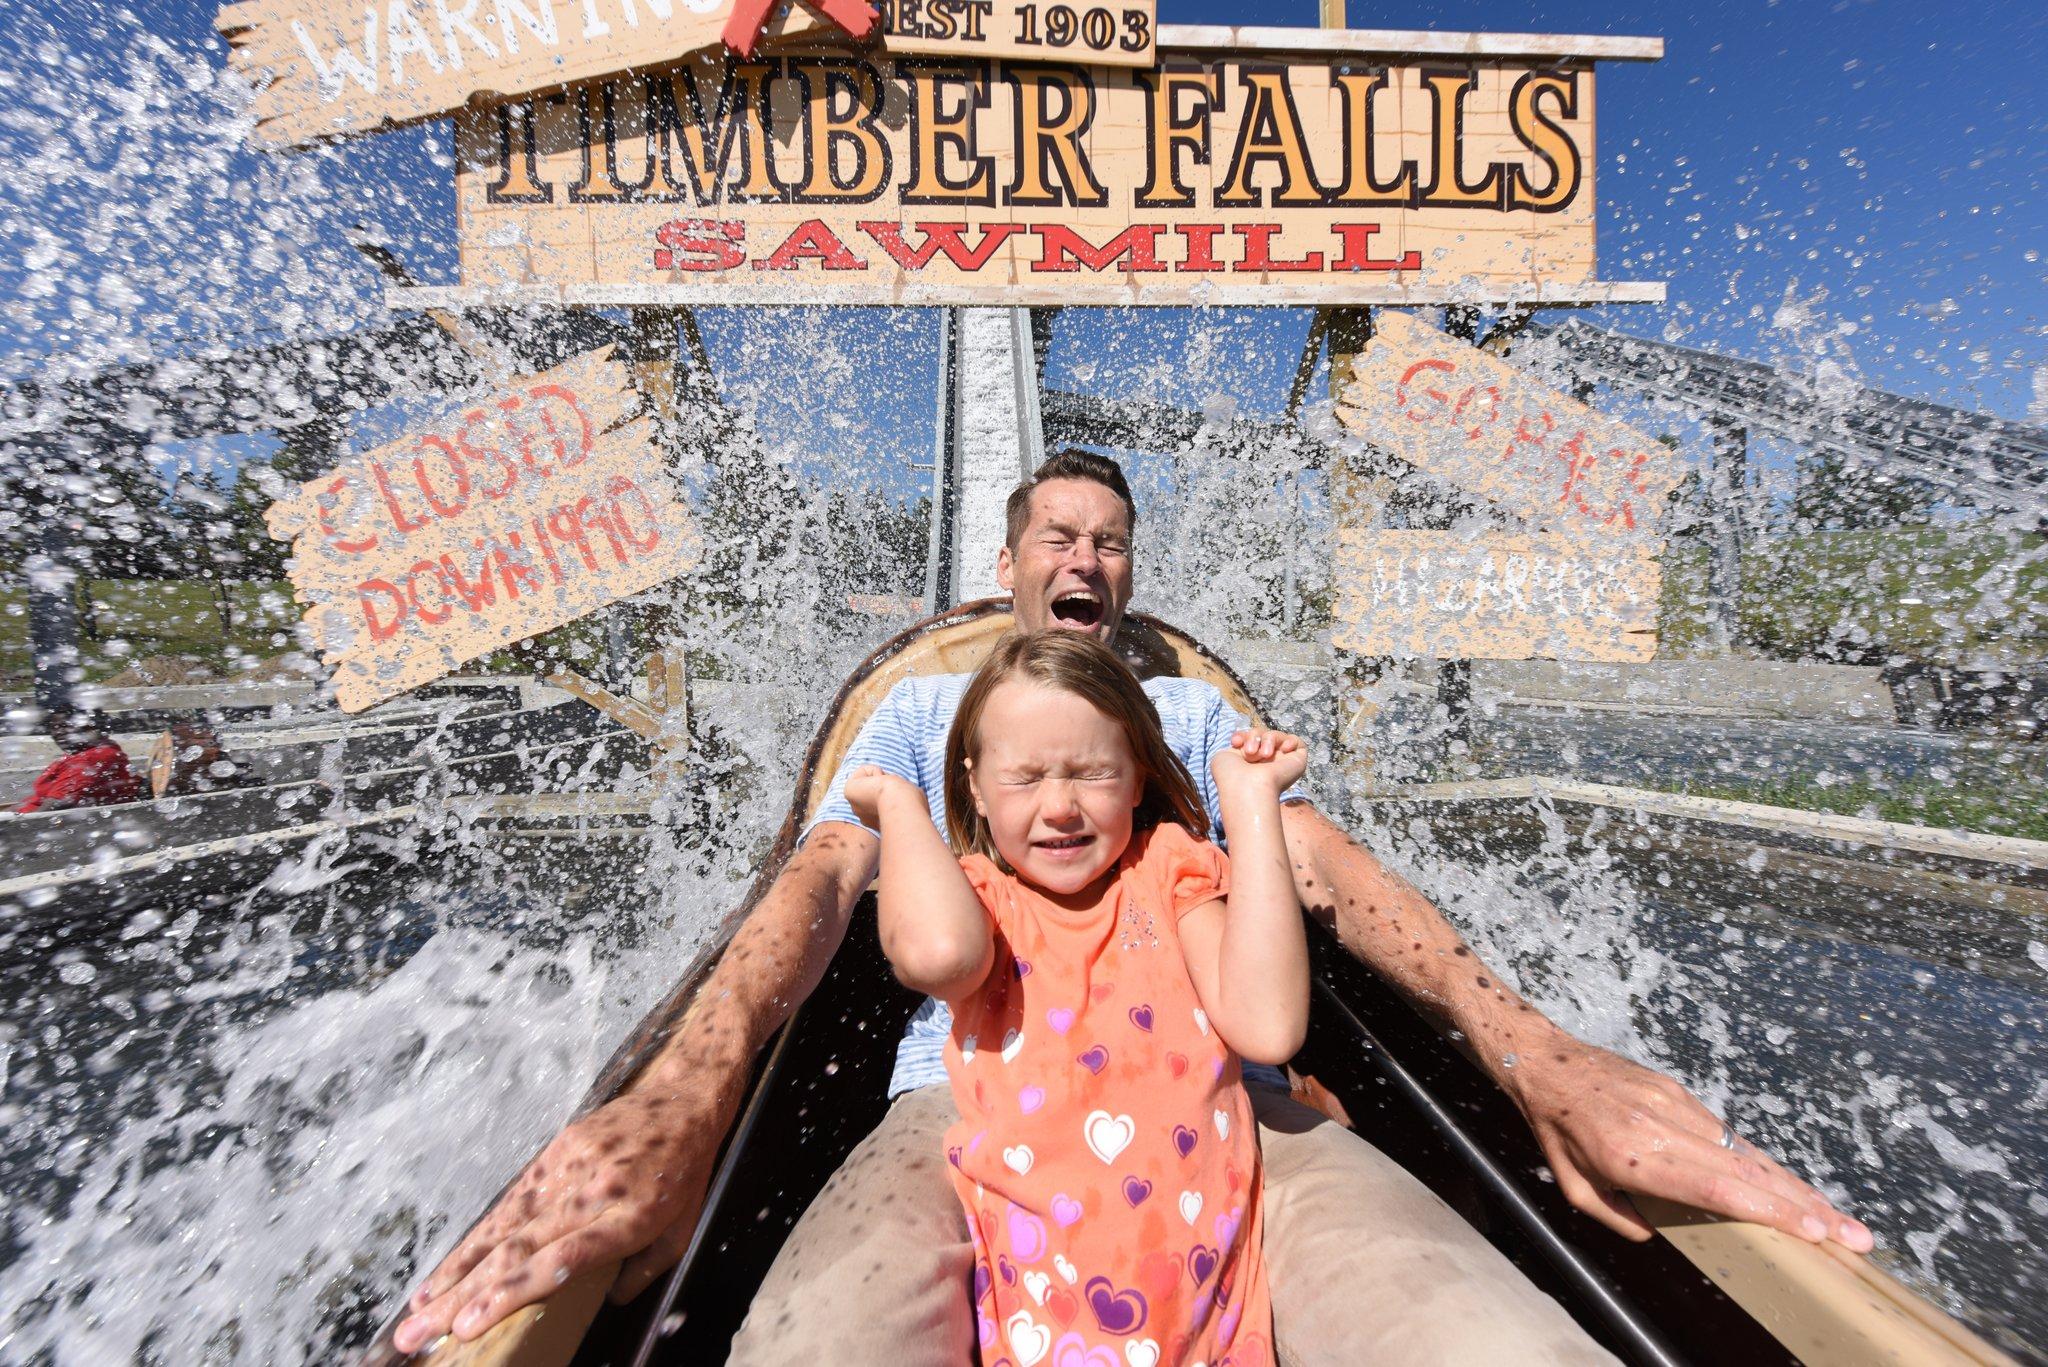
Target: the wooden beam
pixel 1139 292
pixel 1548 47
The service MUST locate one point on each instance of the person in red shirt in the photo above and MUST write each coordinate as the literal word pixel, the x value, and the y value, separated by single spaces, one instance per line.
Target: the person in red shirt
pixel 93 771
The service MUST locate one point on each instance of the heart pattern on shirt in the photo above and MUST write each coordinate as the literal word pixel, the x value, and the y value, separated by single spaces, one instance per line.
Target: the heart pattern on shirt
pixel 1108 1135
pixel 1190 1206
pixel 1031 1339
pixel 1018 1159
pixel 1095 1060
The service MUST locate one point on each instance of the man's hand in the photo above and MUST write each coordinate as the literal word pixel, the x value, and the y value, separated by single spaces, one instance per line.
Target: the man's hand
pixel 1273 757
pixel 627 1181
pixel 1609 1126
pixel 1606 1125
pixel 624 1182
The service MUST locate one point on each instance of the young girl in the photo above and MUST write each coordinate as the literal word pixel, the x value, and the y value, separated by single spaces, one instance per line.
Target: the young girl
pixel 1107 970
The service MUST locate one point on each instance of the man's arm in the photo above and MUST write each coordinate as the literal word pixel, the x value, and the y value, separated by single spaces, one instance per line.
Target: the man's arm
pixel 627 1181
pixel 1606 1125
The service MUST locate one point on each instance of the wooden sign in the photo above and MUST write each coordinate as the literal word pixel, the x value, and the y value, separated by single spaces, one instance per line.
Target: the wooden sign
pixel 1444 596
pixel 525 510
pixel 332 68
pixel 1472 420
pixel 1229 174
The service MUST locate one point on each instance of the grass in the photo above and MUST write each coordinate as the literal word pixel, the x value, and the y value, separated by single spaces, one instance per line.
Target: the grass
pixel 134 619
pixel 1952 593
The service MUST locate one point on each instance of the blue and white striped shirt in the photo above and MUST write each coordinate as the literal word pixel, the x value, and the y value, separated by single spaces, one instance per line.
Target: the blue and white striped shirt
pixel 906 736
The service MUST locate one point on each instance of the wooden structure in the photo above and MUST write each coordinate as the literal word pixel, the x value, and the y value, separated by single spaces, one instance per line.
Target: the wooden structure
pixel 1250 166
pixel 533 507
pixel 1712 1290
pixel 1577 579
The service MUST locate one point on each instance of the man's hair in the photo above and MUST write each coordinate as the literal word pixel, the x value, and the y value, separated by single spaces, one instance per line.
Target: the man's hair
pixel 75 728
pixel 1078 664
pixel 1072 463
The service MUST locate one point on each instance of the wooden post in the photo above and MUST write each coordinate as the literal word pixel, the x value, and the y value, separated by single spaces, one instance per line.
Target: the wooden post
pixel 658 338
pixel 1727 484
pixel 1358 497
pixel 52 609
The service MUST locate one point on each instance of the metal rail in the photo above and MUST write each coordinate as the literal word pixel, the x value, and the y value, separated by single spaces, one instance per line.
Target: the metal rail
pixel 1626 1322
pixel 1988 459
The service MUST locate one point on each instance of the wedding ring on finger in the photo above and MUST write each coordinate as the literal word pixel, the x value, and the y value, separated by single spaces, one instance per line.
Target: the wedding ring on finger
pixel 1727 1139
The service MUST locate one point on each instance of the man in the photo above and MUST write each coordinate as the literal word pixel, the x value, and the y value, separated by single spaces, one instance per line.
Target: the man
pixel 92 772
pixel 1364 1261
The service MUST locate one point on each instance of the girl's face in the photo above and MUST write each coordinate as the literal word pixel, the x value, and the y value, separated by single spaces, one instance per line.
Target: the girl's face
pixel 1057 783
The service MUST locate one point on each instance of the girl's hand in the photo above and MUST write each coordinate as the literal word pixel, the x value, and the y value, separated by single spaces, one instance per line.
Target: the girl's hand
pixel 869 786
pixel 1263 756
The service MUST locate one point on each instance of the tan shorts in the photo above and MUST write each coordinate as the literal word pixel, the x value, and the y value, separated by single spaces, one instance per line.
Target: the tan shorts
pixel 1367 1265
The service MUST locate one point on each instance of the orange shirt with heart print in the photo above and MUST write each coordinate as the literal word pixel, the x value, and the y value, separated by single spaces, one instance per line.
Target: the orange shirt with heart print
pixel 1106 1153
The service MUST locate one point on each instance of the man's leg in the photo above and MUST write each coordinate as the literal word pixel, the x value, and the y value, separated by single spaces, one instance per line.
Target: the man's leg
pixel 879 1272
pixel 1368 1266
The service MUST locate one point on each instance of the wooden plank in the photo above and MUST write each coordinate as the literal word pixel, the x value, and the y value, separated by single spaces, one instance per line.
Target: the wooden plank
pixel 1541 47
pixel 527 509
pixel 1829 1307
pixel 1228 178
pixel 546 1334
pixel 1123 33
pixel 1469 418
pixel 912 295
pixel 326 69
pixel 1446 596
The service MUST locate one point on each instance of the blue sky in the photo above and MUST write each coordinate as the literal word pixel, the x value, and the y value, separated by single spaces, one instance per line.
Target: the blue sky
pixel 1854 180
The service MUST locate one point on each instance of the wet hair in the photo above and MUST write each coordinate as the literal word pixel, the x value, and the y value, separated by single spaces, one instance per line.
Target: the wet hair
pixel 1078 664
pixel 1072 463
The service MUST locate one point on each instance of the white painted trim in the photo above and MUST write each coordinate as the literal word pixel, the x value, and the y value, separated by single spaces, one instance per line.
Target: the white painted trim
pixel 913 295
pixel 1897 835
pixel 1411 42
pixel 235 844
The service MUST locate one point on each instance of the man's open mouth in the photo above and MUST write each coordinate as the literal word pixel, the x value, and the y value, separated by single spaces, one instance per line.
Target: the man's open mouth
pixel 1077 608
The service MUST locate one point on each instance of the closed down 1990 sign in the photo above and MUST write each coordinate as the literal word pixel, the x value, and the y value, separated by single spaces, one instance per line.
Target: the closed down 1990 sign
pixel 527 510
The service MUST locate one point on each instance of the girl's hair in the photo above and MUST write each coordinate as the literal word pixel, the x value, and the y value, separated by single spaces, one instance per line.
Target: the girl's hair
pixel 1081 665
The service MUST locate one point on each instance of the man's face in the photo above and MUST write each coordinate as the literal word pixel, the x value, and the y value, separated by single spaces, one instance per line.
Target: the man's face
pixel 1071 569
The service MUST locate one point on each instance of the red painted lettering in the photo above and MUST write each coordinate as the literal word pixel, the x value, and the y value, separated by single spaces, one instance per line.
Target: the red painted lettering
pixel 399 520
pixel 1201 240
pixel 1258 250
pixel 452 505
pixel 478 593
pixel 1064 249
pixel 549 398
pixel 381 630
pixel 1357 256
pixel 811 240
pixel 712 244
pixel 621 489
pixel 939 237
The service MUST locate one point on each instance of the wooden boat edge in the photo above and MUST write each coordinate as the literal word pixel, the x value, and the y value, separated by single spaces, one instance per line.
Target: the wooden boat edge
pixel 1825 1305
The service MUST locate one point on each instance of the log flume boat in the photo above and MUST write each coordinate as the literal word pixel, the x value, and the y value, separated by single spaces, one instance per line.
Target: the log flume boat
pixel 1706 1290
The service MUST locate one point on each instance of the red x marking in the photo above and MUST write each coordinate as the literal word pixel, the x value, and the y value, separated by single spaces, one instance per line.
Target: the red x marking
pixel 750 17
